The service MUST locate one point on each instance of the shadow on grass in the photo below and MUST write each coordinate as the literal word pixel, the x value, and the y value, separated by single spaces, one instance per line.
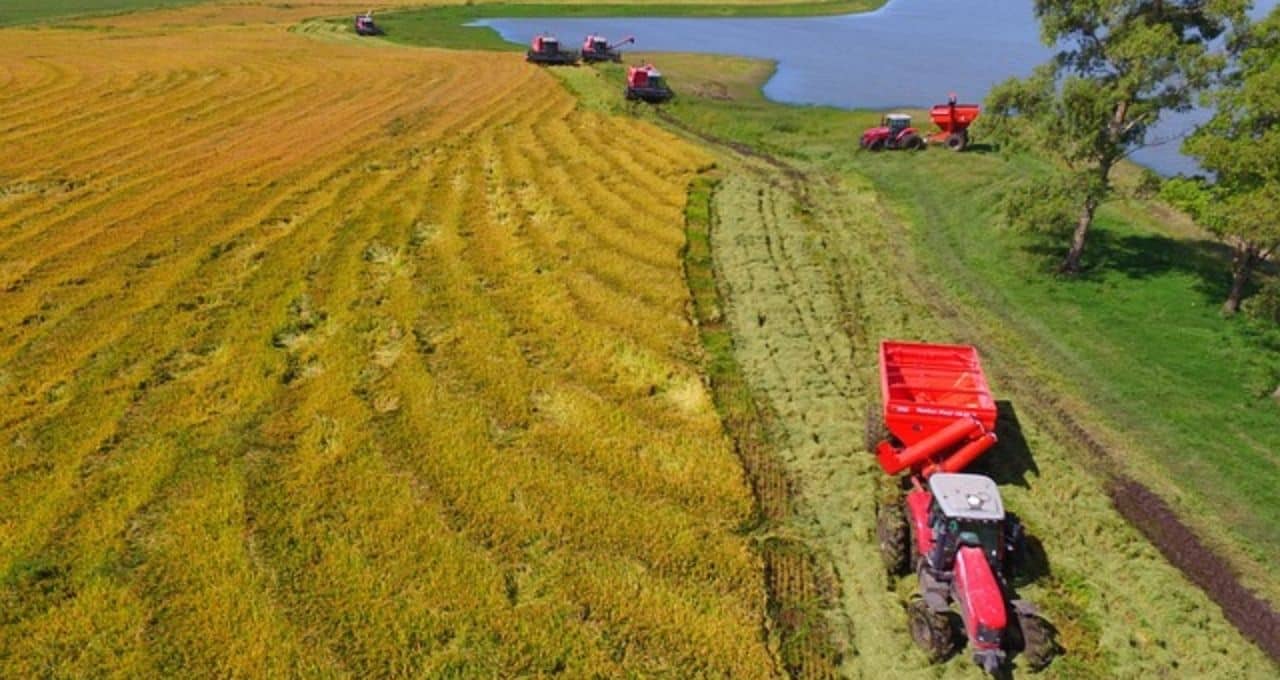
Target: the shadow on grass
pixel 1147 256
pixel 1010 460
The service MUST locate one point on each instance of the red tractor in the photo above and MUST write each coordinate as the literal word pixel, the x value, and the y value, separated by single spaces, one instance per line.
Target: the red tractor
pixel 894 132
pixel 937 416
pixel 646 84
pixel 365 26
pixel 545 49
pixel 598 48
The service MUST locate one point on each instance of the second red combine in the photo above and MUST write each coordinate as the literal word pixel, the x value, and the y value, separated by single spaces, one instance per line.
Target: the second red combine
pixel 936 416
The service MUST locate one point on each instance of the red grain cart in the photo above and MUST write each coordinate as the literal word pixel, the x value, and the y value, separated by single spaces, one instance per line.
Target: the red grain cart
pixel 936 413
pixel 953 121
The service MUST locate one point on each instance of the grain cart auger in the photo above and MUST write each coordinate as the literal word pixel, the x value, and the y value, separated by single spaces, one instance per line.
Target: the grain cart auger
pixel 545 49
pixel 365 25
pixel 647 84
pixel 935 418
pixel 598 48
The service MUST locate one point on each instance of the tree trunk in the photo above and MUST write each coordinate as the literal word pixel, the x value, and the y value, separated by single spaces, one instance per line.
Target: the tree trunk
pixel 1242 263
pixel 1071 264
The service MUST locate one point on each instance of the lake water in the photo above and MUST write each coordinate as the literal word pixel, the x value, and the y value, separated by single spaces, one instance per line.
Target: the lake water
pixel 909 53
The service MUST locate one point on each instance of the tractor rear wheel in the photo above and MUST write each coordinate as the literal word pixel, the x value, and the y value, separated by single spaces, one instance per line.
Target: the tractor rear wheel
pixel 932 631
pixel 891 531
pixel 957 141
pixel 1039 645
pixel 912 143
pixel 876 431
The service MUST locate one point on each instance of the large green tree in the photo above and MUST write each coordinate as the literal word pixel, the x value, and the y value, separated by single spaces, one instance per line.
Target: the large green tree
pixel 1119 65
pixel 1240 147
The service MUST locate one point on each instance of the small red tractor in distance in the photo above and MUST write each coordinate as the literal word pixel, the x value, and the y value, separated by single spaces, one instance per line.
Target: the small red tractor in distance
pixel 365 25
pixel 545 49
pixel 647 84
pixel 895 130
pixel 937 416
pixel 598 48
pixel 953 121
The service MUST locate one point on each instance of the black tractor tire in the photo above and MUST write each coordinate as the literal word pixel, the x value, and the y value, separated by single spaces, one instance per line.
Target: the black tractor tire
pixel 1038 644
pixel 912 143
pixel 957 141
pixel 876 145
pixel 932 631
pixel 894 539
pixel 875 431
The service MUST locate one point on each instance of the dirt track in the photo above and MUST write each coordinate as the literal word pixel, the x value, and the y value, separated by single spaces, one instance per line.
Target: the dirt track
pixel 811 265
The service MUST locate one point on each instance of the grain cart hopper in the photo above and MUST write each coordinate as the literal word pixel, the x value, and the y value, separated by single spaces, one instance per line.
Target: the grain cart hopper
pixel 936 417
pixel 365 25
pixel 545 49
pixel 598 48
pixel 647 84
pixel 953 121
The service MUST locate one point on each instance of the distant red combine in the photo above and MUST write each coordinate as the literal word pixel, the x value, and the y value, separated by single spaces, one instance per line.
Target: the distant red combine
pixel 365 26
pixel 546 49
pixel 598 48
pixel 646 83
pixel 895 130
pixel 935 417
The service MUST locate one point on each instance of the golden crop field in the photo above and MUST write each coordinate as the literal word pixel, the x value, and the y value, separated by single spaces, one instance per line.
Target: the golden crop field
pixel 318 359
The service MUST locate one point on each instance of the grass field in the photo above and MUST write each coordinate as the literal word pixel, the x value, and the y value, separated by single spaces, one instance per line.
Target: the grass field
pixel 325 360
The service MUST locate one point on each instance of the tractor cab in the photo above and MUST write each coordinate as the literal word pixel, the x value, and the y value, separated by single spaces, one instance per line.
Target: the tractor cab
pixel 896 123
pixel 966 511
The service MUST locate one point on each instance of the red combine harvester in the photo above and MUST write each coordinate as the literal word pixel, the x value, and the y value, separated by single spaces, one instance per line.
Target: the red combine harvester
pixel 545 49
pixel 365 25
pixel 598 48
pixel 953 121
pixel 647 84
pixel 937 416
pixel 895 130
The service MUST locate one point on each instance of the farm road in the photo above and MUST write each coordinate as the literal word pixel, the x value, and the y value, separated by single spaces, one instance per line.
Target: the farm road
pixel 811 266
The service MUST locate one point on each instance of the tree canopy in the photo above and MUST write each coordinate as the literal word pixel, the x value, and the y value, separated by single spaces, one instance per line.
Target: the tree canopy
pixel 1120 64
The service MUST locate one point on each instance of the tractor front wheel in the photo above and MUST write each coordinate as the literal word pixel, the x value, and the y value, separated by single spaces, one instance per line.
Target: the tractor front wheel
pixel 891 531
pixel 932 631
pixel 876 145
pixel 1039 643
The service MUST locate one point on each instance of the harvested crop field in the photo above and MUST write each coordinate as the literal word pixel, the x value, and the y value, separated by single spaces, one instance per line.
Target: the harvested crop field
pixel 325 360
